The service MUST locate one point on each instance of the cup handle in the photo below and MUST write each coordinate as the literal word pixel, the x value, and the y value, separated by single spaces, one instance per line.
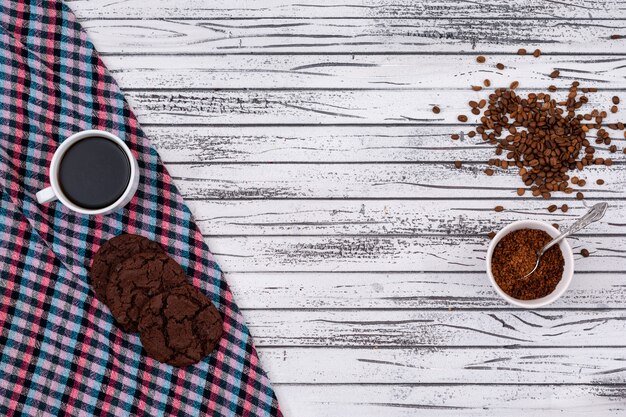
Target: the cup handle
pixel 46 195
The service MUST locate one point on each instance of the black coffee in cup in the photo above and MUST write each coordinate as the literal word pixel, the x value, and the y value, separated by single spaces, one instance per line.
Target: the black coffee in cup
pixel 94 173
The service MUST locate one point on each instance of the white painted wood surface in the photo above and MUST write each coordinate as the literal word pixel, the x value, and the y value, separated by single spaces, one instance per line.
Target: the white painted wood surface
pixel 301 135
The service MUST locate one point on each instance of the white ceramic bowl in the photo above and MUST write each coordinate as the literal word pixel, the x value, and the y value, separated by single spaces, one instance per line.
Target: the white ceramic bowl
pixel 568 270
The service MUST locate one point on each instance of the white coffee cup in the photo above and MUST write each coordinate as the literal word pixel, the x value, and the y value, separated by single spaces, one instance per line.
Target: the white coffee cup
pixel 55 192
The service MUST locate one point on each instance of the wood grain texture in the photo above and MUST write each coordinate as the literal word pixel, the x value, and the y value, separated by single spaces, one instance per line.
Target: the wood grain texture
pixel 409 290
pixel 386 217
pixel 347 71
pixel 449 401
pixel 378 107
pixel 453 366
pixel 319 144
pixel 409 328
pixel 346 35
pixel 387 253
pixel 389 181
pixel 391 9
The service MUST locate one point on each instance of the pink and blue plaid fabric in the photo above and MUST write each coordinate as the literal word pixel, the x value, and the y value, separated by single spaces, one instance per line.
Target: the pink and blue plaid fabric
pixel 60 353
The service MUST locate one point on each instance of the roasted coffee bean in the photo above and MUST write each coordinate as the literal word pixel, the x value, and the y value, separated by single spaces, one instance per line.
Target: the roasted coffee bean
pixel 436 109
pixel 498 209
pixel 454 136
pixel 457 164
pixel 556 226
pixel 579 196
pixel 555 73
pixel 613 109
pixel 480 59
pixel 564 208
pixel 489 172
pixel 500 66
pixel 476 88
pixel 471 134
pixel 462 118
pixel 514 85
pixel 584 253
pixel 475 111
pixel 491 235
pixel 521 191
pixel 615 100
pixel 537 53
pixel 487 83
pixel 521 51
pixel 552 208
pixel 616 37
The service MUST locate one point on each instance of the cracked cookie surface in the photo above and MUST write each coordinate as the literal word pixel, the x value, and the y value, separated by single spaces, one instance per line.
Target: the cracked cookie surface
pixel 110 254
pixel 135 280
pixel 180 327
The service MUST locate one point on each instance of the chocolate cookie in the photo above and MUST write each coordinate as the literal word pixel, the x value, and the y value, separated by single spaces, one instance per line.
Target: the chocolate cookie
pixel 137 279
pixel 180 327
pixel 113 252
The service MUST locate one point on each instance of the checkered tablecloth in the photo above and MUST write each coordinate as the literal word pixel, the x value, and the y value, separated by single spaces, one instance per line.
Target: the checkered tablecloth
pixel 60 351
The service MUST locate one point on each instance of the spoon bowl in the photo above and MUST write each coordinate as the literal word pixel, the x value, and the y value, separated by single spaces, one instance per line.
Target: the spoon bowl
pixel 568 268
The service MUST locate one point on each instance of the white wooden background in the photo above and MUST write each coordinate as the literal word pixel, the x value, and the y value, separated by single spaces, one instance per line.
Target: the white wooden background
pixel 301 135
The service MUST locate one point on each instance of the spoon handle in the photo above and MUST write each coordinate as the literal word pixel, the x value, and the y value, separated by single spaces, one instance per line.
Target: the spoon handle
pixel 593 215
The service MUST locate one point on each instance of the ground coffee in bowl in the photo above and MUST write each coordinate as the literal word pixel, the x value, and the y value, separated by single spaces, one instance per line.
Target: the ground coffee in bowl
pixel 515 255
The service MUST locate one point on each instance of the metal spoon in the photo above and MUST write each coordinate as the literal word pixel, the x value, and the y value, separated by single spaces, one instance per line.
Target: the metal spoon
pixel 593 215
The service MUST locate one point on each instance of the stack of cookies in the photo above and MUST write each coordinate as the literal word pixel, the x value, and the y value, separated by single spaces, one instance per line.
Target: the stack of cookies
pixel 148 292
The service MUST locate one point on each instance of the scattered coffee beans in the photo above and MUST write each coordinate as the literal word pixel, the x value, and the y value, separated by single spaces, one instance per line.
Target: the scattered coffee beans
pixel 543 137
pixel 515 255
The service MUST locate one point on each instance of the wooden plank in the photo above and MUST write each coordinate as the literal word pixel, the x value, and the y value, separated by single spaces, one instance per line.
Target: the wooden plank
pixel 384 107
pixel 451 401
pixel 228 9
pixel 445 366
pixel 348 35
pixel 320 144
pixel 357 71
pixel 337 181
pixel 367 290
pixel 392 217
pixel 410 328
pixel 387 253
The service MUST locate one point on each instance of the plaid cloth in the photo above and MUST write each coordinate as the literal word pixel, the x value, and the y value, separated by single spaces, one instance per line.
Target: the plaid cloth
pixel 60 352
